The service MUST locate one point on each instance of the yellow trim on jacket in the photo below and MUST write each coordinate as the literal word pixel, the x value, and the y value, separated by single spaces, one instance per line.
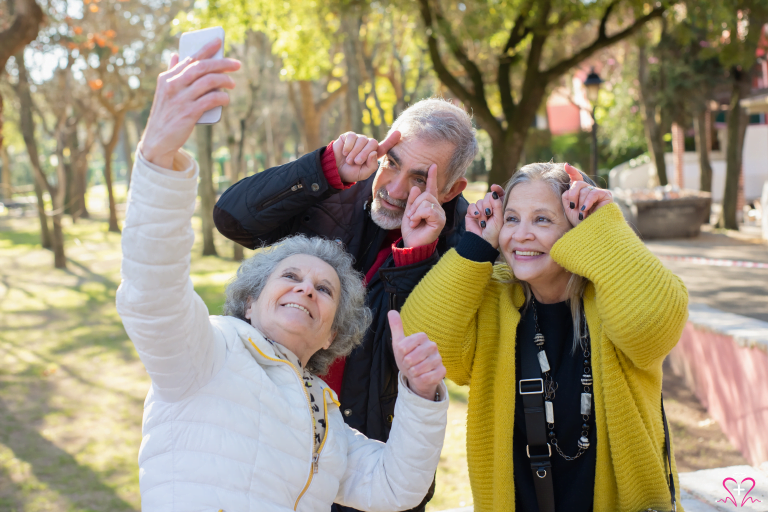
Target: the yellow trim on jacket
pixel 636 310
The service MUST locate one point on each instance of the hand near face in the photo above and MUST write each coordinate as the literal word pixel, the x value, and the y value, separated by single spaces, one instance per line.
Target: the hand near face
pixel 486 217
pixel 357 155
pixel 417 359
pixel 582 199
pixel 183 94
pixel 424 217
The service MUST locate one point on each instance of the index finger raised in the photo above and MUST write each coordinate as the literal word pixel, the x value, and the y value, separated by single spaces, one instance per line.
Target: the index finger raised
pixel 573 173
pixel 388 143
pixel 432 180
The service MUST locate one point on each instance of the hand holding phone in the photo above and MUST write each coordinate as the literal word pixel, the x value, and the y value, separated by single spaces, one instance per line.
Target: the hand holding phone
pixel 192 42
pixel 189 88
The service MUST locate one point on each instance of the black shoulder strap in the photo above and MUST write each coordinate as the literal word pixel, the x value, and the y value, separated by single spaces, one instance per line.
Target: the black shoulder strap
pixel 668 449
pixel 531 387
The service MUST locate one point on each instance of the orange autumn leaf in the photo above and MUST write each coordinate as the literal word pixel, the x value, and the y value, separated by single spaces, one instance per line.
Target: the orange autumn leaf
pixel 72 46
pixel 114 49
pixel 110 34
pixel 95 84
pixel 99 40
pixel 78 30
pixel 94 8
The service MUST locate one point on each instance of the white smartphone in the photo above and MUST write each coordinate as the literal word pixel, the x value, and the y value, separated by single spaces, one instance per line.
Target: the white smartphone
pixel 189 44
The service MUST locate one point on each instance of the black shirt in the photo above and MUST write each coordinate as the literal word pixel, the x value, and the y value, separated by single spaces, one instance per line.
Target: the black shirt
pixel 573 481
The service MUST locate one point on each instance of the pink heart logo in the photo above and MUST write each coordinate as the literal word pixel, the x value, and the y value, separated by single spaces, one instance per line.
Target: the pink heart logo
pixel 739 489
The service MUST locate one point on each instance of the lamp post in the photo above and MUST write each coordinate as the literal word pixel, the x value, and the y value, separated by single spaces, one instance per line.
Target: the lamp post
pixel 592 84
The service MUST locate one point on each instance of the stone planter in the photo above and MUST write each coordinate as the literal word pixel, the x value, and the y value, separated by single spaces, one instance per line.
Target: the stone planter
pixel 672 217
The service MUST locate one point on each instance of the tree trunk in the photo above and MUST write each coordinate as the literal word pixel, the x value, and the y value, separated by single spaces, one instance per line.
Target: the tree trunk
pixel 700 126
pixel 737 126
pixel 79 163
pixel 651 127
pixel 45 231
pixel 507 153
pixel 350 25
pixel 204 137
pixel 5 179
pixel 27 125
pixel 109 149
pixel 59 258
pixel 128 146
pixel 235 151
pixel 310 117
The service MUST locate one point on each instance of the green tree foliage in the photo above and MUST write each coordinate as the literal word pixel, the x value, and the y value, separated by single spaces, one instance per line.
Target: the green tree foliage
pixel 501 57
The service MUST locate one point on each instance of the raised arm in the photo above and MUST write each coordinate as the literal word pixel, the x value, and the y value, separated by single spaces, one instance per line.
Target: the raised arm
pixel 397 475
pixel 164 317
pixel 264 208
pixel 643 305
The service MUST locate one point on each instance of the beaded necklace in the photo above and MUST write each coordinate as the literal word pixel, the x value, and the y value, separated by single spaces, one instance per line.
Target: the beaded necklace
pixel 550 386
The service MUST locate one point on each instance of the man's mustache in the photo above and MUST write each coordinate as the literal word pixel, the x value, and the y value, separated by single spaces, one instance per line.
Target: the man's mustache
pixel 382 194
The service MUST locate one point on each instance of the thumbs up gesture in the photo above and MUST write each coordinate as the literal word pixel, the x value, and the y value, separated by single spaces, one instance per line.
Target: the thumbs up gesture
pixel 417 359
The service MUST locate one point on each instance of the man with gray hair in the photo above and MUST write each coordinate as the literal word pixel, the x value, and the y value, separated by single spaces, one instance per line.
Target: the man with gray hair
pixel 385 216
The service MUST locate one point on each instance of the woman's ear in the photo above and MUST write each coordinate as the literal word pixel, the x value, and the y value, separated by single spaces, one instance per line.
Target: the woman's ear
pixel 248 308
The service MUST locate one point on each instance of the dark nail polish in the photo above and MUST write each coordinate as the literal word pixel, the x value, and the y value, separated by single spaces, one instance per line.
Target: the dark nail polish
pixel 581 216
pixel 482 224
pixel 477 213
pixel 583 206
pixel 488 211
pixel 573 206
pixel 495 195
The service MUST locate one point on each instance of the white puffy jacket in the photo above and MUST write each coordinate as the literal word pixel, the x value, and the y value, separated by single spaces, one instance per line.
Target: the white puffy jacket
pixel 227 425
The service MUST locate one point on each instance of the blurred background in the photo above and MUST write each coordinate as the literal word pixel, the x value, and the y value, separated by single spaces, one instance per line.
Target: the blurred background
pixel 663 102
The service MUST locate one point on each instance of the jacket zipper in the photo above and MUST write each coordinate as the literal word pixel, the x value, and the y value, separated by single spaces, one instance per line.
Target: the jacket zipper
pixel 315 456
pixel 282 195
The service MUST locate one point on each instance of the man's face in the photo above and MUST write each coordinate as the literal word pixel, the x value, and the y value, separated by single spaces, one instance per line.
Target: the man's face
pixel 405 166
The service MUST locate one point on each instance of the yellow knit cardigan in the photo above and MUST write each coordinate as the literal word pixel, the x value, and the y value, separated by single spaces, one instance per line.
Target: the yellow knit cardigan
pixel 636 310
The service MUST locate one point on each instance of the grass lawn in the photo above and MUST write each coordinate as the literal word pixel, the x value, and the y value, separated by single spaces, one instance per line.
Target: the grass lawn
pixel 72 386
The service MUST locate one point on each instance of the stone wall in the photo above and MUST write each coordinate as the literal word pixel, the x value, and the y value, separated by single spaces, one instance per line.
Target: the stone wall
pixel 724 359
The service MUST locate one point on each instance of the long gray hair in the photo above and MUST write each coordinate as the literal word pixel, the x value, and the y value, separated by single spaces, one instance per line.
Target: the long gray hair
pixel 352 316
pixel 555 176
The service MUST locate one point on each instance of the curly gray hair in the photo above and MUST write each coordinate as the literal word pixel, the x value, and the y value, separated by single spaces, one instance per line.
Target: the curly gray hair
pixel 352 316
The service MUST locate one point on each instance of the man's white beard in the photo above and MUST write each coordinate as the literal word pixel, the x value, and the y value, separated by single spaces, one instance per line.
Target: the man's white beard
pixel 383 217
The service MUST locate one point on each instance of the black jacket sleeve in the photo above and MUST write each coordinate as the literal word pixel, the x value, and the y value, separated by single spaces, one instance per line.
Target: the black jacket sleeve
pixel 263 208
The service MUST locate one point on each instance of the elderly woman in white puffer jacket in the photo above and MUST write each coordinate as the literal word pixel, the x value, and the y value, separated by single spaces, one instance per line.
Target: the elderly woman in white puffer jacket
pixel 236 418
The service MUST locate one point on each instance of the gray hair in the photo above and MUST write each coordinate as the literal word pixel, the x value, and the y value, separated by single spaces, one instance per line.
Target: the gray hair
pixel 437 120
pixel 554 175
pixel 352 316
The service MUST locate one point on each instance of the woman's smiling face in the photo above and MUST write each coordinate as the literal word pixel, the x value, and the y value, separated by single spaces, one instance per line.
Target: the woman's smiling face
pixel 298 305
pixel 533 221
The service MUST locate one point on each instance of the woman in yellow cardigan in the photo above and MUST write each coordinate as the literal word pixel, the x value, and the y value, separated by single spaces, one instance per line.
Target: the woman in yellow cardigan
pixel 562 347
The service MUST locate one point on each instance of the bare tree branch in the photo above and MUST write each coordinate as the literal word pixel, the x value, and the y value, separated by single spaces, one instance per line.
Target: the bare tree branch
pixel 326 102
pixel 602 41
pixel 475 101
pixel 517 34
